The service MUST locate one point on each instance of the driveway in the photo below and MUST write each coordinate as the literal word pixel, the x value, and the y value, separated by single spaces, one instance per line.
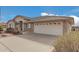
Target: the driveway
pixel 29 42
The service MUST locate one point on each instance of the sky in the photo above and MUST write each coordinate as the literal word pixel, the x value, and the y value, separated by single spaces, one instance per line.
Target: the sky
pixel 9 12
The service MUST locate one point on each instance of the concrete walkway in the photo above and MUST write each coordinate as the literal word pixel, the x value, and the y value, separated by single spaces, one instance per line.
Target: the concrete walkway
pixel 23 44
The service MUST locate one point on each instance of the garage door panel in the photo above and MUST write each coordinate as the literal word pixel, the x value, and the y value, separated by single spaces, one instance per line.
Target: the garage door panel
pixel 49 29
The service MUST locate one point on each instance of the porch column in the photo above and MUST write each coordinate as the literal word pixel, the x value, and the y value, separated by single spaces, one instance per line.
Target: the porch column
pixel 23 27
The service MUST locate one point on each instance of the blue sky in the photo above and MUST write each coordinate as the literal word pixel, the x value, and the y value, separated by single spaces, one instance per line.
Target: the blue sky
pixel 9 12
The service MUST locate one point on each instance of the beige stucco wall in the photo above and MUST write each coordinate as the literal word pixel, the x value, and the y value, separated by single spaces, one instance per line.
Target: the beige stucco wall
pixel 23 25
pixel 20 19
pixel 69 27
pixel 66 27
pixel 51 29
pixel 11 24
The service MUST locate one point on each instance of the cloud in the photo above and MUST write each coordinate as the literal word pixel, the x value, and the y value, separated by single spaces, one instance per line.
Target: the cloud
pixel 44 14
pixel 51 14
pixel 76 19
pixel 47 14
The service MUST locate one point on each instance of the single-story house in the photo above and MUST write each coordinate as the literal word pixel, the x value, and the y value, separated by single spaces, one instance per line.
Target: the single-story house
pixel 51 25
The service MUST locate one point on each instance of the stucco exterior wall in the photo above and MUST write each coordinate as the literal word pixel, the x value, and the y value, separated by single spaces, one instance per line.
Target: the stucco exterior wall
pixel 20 19
pixel 66 27
pixel 55 28
pixel 69 27
pixel 11 25
pixel 24 27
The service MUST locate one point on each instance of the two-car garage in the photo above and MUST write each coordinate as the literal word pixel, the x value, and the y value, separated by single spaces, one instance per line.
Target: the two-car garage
pixel 50 28
pixel 52 25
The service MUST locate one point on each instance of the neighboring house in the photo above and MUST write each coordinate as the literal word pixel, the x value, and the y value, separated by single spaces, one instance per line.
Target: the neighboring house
pixel 52 25
pixel 3 26
pixel 75 28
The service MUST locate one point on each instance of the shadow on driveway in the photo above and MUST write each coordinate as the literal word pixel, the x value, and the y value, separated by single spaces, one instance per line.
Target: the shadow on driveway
pixel 41 38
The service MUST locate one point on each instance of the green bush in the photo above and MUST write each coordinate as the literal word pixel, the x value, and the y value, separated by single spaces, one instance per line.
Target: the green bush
pixel 67 43
pixel 1 28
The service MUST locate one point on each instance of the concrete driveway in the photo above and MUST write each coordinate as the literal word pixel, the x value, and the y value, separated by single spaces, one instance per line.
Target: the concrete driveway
pixel 28 42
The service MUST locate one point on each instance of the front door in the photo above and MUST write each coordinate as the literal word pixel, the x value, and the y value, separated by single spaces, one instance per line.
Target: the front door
pixel 21 23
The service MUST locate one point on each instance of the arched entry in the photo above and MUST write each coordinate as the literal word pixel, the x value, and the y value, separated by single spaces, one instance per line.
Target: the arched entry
pixel 21 24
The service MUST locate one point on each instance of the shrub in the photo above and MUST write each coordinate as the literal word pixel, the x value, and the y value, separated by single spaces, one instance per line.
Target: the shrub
pixel 1 28
pixel 9 30
pixel 12 30
pixel 67 43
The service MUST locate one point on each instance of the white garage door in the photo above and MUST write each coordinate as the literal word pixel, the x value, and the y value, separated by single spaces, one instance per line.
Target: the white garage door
pixel 53 29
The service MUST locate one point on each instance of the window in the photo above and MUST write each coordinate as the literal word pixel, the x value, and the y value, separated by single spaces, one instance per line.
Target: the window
pixel 54 23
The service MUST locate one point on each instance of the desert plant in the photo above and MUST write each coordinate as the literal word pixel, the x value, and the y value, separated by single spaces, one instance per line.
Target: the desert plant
pixel 67 43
